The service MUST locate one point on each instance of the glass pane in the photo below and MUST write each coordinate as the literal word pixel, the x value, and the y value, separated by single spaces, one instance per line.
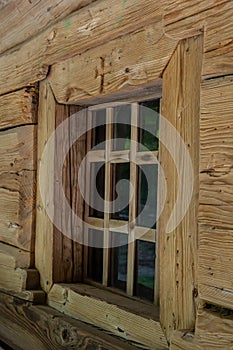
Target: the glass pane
pixel 147 195
pixel 122 132
pixel 149 121
pixel 95 255
pixel 145 270
pixel 99 132
pixel 120 190
pixel 119 256
pixel 97 188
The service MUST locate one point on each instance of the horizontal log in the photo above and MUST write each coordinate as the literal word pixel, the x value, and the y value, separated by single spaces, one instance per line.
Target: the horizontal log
pixel 14 257
pixel 19 107
pixel 215 17
pixel 18 280
pixel 17 202
pixel 214 328
pixel 22 20
pixel 17 149
pixel 45 328
pixel 136 59
pixel 215 265
pixel 128 319
pixel 216 126
pixel 89 27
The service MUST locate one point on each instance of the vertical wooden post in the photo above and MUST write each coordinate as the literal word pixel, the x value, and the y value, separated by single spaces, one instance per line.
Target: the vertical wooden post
pixel 178 248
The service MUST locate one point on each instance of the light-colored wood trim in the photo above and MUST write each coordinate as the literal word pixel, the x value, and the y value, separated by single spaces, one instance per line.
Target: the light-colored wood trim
pixel 107 196
pixel 44 227
pixel 178 248
pixel 132 198
pixel 130 319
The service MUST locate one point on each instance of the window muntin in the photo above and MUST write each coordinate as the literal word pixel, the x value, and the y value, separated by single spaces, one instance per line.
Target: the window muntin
pixel 124 266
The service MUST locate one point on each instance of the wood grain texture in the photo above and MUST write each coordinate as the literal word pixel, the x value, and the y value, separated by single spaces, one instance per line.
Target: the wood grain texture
pixel 19 107
pixel 214 328
pixel 24 19
pixel 17 148
pixel 178 248
pixel 44 328
pixel 44 227
pixel 17 206
pixel 184 341
pixel 18 280
pixel 118 66
pixel 108 311
pixel 215 17
pixel 13 257
pixel 215 266
pixel 89 27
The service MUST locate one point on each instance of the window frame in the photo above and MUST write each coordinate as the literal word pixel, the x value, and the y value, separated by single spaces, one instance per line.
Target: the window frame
pixel 178 249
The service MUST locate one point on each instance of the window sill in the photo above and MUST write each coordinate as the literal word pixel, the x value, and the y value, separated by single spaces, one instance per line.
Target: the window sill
pixel 125 317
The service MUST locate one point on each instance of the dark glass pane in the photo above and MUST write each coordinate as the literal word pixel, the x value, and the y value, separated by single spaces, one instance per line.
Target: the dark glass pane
pixel 147 195
pixel 97 187
pixel 95 255
pixel 145 270
pixel 120 190
pixel 122 132
pixel 119 256
pixel 99 132
pixel 149 125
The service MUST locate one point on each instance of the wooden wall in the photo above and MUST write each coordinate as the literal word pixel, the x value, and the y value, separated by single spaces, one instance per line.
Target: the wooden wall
pixel 124 45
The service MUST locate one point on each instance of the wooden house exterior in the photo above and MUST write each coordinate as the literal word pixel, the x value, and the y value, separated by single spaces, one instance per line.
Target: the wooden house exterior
pixel 56 58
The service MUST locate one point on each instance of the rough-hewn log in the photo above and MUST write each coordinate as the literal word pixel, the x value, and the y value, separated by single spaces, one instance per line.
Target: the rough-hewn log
pixel 214 328
pixel 42 328
pixel 215 17
pixel 13 257
pixel 17 203
pixel 121 316
pixel 19 107
pixel 120 65
pixel 97 23
pixel 17 149
pixel 18 280
pixel 22 20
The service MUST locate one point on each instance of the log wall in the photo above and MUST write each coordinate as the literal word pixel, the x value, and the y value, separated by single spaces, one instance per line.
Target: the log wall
pixel 89 49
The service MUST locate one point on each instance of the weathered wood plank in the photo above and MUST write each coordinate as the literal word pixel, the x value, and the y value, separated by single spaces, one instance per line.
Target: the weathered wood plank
pixel 14 257
pixel 215 265
pixel 178 248
pixel 22 20
pixel 44 227
pixel 184 341
pixel 19 107
pixel 18 280
pixel 107 310
pixel 17 148
pixel 89 27
pixel 181 17
pixel 216 126
pixel 214 328
pixel 45 328
pixel 17 204
pixel 112 67
pixel 62 245
pixel 77 154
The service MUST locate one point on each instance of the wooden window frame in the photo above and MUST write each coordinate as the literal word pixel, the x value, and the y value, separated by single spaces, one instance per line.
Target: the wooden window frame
pixel 178 249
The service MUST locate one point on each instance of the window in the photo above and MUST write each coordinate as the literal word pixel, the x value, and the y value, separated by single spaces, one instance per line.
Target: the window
pixel 121 188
